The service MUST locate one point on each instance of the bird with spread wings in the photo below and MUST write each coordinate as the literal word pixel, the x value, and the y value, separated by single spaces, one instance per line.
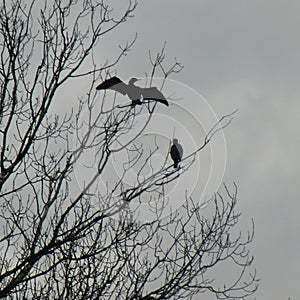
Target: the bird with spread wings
pixel 135 93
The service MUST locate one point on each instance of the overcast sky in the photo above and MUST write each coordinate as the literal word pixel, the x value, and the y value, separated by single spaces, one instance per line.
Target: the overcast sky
pixel 241 54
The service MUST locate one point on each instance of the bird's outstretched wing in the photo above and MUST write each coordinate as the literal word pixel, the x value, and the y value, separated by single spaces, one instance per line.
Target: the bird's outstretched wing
pixel 153 93
pixel 115 84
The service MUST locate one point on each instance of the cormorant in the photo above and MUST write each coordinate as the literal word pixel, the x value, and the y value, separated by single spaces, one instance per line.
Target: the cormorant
pixel 176 152
pixel 135 93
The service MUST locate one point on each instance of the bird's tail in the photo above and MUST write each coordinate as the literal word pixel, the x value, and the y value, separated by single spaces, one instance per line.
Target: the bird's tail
pixel 176 164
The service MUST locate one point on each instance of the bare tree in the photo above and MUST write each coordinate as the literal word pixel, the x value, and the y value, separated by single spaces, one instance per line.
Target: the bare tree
pixel 61 241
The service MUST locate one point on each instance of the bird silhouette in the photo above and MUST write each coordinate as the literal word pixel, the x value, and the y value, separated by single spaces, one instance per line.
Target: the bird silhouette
pixel 176 152
pixel 135 93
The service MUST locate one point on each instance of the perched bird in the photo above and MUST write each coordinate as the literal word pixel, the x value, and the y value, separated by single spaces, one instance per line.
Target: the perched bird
pixel 135 93
pixel 176 152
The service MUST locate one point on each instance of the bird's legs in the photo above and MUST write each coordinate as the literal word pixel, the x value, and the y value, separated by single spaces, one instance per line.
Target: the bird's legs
pixel 136 102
